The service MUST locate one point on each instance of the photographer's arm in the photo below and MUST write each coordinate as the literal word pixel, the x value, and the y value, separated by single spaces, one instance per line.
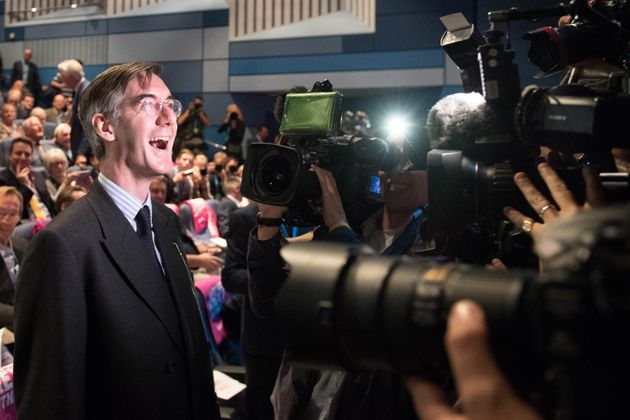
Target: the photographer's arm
pixel 184 116
pixel 203 117
pixel 266 267
pixel 484 391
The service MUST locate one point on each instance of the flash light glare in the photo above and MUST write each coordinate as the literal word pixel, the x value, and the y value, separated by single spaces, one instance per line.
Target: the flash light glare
pixel 397 127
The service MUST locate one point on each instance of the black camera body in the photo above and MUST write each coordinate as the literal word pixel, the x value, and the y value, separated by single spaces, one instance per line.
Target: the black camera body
pixel 585 113
pixel 280 174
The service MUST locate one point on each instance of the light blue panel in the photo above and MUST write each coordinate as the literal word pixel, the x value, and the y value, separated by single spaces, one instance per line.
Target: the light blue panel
pixel 274 48
pixel 156 46
pixel 341 80
pixel 67 29
pixel 183 76
pixel 216 42
pixel 215 105
pixel 11 52
pixel 338 62
pixel 215 75
pixel 96 27
pixel 156 23
pixel 47 73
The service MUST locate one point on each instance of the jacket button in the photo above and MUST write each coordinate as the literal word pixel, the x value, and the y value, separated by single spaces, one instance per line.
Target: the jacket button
pixel 171 366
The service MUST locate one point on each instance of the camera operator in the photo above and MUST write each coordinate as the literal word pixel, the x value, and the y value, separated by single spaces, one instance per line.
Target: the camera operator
pixel 394 230
pixel 190 127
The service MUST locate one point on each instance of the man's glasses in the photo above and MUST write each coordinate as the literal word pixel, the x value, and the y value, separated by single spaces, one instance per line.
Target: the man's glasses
pixel 153 108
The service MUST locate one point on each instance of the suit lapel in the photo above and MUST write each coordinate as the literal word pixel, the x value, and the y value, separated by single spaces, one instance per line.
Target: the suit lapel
pixel 123 247
pixel 178 274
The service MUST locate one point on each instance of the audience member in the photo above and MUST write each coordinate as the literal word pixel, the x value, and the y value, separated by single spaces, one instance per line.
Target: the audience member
pixel 262 136
pixel 67 196
pixel 187 179
pixel 229 203
pixel 12 249
pixel 235 127
pixel 36 202
pixel 14 96
pixel 8 128
pixel 205 258
pixel 71 72
pixel 26 105
pixel 61 140
pixel 34 131
pixel 28 72
pixel 56 165
pixel 57 112
pixel 40 113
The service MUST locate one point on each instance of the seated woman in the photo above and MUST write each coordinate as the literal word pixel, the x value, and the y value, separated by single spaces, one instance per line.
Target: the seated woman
pixel 56 165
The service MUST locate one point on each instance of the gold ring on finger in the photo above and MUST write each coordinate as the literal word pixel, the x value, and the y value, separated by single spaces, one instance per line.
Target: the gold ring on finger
pixel 544 208
pixel 527 225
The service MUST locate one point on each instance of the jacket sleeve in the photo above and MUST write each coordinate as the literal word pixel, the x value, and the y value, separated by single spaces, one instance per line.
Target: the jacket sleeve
pixel 266 270
pixel 235 277
pixel 51 323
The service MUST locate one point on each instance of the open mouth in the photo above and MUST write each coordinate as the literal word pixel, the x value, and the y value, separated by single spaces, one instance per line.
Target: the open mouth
pixel 159 142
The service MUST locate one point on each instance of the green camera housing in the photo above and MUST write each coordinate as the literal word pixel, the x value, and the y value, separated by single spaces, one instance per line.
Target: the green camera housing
pixel 314 113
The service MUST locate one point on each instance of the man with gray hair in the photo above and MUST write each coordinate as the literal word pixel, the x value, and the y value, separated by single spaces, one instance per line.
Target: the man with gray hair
pixel 108 278
pixel 71 73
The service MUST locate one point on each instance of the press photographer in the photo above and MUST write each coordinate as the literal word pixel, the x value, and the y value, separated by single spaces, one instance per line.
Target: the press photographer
pixel 190 127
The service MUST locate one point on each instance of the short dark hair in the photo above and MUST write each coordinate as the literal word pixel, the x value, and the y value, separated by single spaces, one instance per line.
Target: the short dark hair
pixel 20 140
pixel 105 93
pixel 65 196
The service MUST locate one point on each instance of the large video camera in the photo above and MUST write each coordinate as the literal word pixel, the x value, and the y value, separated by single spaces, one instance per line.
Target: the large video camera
pixel 561 337
pixel 586 113
pixel 279 174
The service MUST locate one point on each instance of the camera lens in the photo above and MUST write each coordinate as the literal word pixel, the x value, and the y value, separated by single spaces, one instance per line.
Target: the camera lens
pixel 276 175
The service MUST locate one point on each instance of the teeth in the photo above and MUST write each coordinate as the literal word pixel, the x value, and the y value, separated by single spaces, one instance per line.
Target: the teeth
pixel 159 142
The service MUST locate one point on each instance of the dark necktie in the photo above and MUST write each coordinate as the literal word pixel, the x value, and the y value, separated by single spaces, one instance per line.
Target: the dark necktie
pixel 143 223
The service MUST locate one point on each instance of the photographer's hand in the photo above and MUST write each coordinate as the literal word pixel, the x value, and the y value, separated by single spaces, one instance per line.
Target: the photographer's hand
pixel 484 391
pixel 560 193
pixel 332 209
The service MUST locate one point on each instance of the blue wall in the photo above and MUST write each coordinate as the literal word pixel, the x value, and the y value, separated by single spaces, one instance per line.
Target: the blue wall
pixel 399 67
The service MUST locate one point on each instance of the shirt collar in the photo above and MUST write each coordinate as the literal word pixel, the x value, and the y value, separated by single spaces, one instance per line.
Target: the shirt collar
pixel 128 204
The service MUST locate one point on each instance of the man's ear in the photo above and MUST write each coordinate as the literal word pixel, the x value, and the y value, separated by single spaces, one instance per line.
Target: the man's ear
pixel 103 127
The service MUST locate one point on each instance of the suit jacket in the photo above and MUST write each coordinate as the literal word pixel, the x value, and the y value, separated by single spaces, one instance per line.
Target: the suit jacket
pixel 7 290
pixel 78 141
pixel 224 209
pixel 101 334
pixel 39 179
pixel 32 82
pixel 260 336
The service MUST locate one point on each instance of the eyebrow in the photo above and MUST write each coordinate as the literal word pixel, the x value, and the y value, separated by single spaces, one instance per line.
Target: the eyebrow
pixel 139 98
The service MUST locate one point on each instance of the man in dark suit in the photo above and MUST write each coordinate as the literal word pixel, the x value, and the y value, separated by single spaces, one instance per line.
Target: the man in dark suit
pixel 11 250
pixel 262 339
pixel 28 72
pixel 228 204
pixel 73 77
pixel 31 182
pixel 106 321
